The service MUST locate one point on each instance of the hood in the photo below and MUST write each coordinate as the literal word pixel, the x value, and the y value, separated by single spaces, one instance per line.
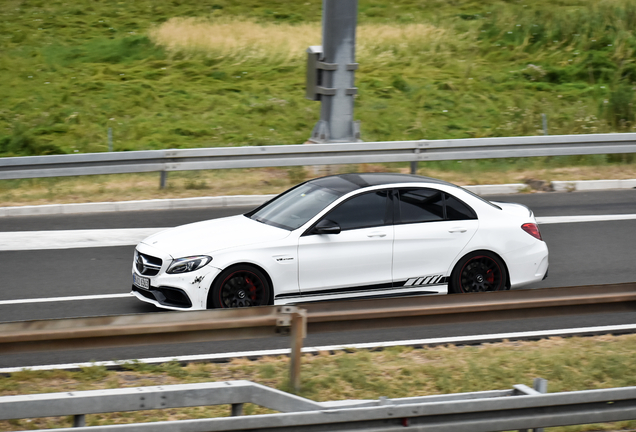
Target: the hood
pixel 515 209
pixel 213 235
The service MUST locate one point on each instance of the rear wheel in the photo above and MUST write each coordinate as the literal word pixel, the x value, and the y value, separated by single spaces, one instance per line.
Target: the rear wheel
pixel 240 286
pixel 478 272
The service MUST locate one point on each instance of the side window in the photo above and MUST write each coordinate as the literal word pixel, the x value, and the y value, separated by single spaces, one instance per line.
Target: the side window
pixel 363 211
pixel 420 205
pixel 457 210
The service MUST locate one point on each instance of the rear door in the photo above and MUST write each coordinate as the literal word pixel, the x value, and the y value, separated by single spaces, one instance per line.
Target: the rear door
pixel 431 229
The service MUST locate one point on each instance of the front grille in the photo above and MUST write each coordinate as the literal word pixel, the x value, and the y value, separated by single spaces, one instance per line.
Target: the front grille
pixel 147 265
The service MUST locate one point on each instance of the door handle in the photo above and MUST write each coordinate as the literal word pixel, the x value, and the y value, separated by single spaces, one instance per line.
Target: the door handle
pixel 457 230
pixel 376 234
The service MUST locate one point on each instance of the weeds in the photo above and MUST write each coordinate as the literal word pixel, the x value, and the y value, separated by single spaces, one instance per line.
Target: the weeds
pixel 619 107
pixel 92 373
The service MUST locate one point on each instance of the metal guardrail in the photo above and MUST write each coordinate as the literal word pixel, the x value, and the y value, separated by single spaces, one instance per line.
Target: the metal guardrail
pixel 498 410
pixel 197 326
pixel 472 307
pixel 268 321
pixel 313 154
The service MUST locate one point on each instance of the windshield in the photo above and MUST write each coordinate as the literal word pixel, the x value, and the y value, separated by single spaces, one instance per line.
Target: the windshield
pixel 294 208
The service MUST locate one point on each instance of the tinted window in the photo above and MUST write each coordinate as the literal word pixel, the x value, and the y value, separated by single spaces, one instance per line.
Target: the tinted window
pixel 457 210
pixel 362 211
pixel 420 205
pixel 428 205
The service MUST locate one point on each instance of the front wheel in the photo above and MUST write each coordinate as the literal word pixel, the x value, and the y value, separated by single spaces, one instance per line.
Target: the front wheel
pixel 478 272
pixel 239 286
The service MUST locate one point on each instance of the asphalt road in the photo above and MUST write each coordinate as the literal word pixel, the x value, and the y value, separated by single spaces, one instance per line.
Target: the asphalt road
pixel 580 254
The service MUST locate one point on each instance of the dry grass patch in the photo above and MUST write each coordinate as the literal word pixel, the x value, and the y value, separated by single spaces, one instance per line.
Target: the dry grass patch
pixel 475 176
pixel 235 37
pixel 127 187
pixel 248 39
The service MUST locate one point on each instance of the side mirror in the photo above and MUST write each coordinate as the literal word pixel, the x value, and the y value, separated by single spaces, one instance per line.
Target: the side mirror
pixel 326 226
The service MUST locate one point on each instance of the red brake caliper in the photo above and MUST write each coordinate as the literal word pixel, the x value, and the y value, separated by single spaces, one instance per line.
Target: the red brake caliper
pixel 251 287
pixel 490 277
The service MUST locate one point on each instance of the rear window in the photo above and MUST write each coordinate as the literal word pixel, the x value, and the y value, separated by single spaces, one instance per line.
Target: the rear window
pixel 421 205
pixel 418 205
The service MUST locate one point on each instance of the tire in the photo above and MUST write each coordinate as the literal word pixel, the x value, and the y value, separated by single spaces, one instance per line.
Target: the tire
pixel 479 271
pixel 240 286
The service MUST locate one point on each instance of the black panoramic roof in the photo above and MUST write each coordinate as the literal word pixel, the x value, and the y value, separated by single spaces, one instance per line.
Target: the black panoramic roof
pixel 345 183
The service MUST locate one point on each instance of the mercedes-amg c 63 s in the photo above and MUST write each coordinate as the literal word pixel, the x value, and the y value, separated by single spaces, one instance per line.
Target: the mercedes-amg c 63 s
pixel 342 237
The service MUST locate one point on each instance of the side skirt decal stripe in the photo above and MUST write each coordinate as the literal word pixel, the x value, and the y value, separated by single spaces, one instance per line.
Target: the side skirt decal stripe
pixel 356 289
pixel 378 296
pixel 337 290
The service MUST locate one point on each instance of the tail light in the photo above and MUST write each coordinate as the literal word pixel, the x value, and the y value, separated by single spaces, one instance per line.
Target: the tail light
pixel 532 229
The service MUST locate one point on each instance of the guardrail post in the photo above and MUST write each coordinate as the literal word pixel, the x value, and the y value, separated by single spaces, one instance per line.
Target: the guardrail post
pixel 79 420
pixel 162 179
pixel 540 385
pixel 414 163
pixel 296 320
pixel 298 333
pixel 237 409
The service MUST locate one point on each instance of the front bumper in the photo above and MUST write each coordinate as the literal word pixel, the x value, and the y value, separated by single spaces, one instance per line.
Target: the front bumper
pixel 163 297
pixel 184 291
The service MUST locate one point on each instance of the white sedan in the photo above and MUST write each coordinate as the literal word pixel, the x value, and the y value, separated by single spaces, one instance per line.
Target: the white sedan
pixel 341 237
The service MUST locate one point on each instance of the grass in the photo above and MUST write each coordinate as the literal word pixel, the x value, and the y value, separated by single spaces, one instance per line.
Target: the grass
pixel 568 364
pixel 185 74
pixel 223 73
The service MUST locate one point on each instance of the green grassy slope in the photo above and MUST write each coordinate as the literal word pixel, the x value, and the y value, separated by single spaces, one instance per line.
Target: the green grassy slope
pixel 462 68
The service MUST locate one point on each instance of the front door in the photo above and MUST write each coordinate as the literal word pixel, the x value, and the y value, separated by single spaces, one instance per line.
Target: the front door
pixel 356 260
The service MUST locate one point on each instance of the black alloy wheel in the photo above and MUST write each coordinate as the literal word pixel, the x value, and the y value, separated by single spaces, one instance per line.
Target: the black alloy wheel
pixel 478 272
pixel 240 286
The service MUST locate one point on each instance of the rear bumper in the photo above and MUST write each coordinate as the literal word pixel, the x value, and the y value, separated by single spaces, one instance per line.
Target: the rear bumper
pixel 528 265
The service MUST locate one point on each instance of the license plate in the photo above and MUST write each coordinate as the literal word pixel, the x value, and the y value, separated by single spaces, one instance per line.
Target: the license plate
pixel 141 282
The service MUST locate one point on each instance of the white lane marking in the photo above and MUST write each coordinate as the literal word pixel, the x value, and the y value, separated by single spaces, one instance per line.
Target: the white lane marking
pixel 588 218
pixel 371 345
pixel 59 299
pixel 70 239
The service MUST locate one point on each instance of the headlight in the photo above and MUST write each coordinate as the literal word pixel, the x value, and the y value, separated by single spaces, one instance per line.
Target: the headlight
pixel 188 264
